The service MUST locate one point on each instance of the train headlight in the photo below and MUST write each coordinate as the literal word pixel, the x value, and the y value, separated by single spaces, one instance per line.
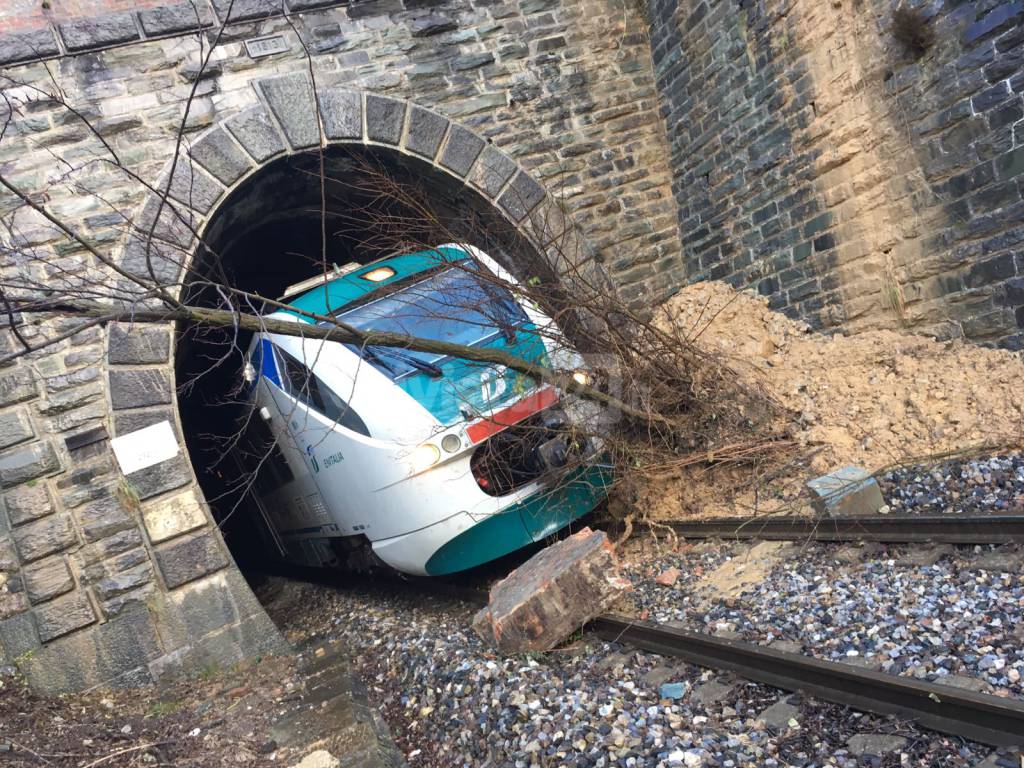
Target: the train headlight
pixel 378 275
pixel 582 378
pixel 451 443
pixel 424 457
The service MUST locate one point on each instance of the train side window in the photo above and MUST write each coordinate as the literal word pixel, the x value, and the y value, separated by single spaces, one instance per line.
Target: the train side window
pixel 302 384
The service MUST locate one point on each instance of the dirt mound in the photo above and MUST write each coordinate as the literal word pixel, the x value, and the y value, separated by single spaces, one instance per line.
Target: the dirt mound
pixel 876 399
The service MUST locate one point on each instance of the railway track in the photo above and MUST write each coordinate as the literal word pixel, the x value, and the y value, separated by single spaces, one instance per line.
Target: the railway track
pixel 939 529
pixel 980 717
pixel 986 719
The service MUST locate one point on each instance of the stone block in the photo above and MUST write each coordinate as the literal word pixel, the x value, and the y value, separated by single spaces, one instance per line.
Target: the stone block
pixel 243 10
pixel 177 17
pixel 876 744
pixel 99 31
pixel 130 421
pixel 157 261
pixel 778 715
pixel 290 98
pixel 218 153
pixel 63 615
pixel 47 579
pixel 521 196
pixel 426 130
pixel 16 386
pixel 27 45
pixel 492 171
pixel 1003 560
pixel 847 491
pixel 43 537
pixel 173 516
pixel 385 119
pixel 342 113
pixel 712 693
pixel 12 603
pixel 136 344
pixel 192 186
pixel 925 556
pixel 461 150
pixel 122 541
pixel 552 595
pixel 189 559
pixel 28 462
pixel 114 585
pixel 18 635
pixel 139 387
pixel 431 24
pixel 15 427
pixel 27 503
pixel 162 477
pixel 256 133
pixel 104 517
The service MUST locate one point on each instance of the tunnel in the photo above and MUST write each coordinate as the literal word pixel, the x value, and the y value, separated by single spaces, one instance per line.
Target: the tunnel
pixel 355 203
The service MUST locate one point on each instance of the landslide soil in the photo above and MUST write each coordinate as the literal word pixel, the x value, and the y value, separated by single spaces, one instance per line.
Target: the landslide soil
pixel 875 400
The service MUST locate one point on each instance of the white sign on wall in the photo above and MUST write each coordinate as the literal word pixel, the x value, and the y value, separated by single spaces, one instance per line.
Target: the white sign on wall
pixel 145 447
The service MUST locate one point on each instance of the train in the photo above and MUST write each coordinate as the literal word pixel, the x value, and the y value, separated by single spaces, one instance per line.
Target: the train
pixel 367 456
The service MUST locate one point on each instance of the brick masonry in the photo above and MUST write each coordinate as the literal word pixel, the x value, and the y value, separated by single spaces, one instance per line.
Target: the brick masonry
pixel 541 106
pixel 855 184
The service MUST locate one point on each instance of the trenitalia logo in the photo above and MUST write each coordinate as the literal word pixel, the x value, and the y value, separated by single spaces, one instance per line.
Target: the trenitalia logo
pixel 312 458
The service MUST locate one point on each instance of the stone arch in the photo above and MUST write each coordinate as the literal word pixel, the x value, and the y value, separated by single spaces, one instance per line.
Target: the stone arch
pixel 203 602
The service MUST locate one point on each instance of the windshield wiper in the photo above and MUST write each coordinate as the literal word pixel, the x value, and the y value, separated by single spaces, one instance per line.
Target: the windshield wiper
pixel 420 365
pixel 374 357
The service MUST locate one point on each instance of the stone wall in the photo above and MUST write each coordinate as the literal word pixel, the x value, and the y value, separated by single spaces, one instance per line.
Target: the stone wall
pixel 852 181
pixel 107 578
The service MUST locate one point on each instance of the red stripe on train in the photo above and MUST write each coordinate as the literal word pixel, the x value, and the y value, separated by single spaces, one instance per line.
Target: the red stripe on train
pixel 515 413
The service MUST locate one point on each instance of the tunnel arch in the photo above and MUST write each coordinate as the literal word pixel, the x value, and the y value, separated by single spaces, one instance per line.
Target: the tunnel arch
pixel 212 199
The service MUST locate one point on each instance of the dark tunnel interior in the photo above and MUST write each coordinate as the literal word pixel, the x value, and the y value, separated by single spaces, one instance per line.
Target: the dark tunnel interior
pixel 275 230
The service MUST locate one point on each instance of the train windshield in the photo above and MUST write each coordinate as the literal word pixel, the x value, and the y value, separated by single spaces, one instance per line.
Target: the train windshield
pixel 455 305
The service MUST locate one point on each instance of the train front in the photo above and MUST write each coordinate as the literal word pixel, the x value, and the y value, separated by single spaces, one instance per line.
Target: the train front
pixel 483 460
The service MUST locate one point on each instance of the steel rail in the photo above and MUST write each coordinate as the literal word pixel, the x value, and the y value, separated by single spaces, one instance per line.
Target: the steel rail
pixel 980 717
pixel 940 529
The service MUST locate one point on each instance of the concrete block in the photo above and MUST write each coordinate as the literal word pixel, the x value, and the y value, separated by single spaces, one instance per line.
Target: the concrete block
pixel 778 715
pixel 290 98
pixel 137 344
pixel 426 130
pixel 461 150
pixel 99 31
pixel 256 132
pixel 1006 559
pixel 139 387
pixel 385 119
pixel 847 491
pixel 342 113
pixel 173 516
pixel 552 595
pixel 218 153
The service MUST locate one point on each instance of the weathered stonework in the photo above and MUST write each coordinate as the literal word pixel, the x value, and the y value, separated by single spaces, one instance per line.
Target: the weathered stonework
pixel 123 579
pixel 785 146
pixel 819 163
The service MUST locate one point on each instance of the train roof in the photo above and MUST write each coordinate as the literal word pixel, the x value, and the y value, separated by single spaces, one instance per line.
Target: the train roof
pixel 335 294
